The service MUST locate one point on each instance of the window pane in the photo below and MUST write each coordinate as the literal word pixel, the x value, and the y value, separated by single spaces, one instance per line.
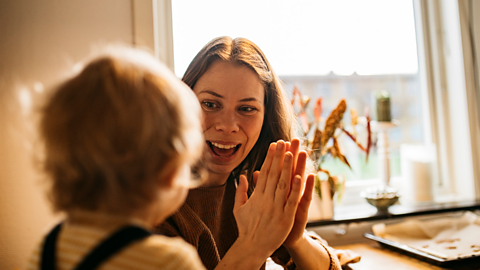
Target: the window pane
pixel 305 37
pixel 331 49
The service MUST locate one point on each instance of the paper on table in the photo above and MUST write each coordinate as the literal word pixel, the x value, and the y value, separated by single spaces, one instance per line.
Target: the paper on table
pixel 446 237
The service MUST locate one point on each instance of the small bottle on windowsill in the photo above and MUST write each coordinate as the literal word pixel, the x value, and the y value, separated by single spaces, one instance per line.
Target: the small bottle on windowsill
pixel 383 107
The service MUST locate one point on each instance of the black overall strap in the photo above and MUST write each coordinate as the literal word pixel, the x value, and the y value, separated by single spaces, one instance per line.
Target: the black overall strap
pixel 48 252
pixel 103 251
pixel 112 245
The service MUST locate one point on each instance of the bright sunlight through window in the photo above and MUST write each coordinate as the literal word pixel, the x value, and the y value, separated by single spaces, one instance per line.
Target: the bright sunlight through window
pixel 304 37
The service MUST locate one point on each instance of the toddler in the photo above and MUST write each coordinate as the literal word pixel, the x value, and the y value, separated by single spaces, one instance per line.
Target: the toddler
pixel 119 140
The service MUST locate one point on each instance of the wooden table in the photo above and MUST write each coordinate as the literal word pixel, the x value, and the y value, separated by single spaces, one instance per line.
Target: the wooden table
pixel 376 257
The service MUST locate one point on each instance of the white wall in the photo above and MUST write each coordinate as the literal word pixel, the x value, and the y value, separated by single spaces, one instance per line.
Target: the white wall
pixel 38 40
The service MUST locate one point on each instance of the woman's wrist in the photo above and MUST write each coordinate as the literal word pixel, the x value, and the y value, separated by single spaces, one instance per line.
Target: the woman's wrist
pixel 243 255
pixel 295 245
pixel 307 253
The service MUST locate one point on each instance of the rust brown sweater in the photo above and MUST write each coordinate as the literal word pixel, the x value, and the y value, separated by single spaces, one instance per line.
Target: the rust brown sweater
pixel 206 221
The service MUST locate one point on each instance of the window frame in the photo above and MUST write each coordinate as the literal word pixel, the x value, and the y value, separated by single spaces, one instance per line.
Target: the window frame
pixel 152 28
pixel 446 70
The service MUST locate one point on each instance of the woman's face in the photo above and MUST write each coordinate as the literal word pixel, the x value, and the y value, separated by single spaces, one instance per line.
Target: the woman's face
pixel 232 99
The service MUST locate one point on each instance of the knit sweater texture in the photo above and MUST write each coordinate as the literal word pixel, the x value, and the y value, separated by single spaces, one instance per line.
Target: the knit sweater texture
pixel 206 221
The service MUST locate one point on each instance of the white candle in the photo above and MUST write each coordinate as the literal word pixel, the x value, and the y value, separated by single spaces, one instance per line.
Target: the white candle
pixel 417 169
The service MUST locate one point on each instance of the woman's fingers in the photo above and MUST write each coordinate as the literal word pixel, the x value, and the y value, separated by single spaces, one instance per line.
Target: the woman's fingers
pixel 263 175
pixel 241 196
pixel 301 216
pixel 255 177
pixel 301 163
pixel 302 212
pixel 294 148
pixel 283 185
pixel 295 194
pixel 275 169
pixel 266 218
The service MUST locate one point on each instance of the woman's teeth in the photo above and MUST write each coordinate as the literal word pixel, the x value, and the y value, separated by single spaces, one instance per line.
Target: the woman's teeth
pixel 222 146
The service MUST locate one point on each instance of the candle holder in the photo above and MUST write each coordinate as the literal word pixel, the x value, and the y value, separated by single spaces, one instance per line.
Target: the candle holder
pixel 382 196
pixel 382 128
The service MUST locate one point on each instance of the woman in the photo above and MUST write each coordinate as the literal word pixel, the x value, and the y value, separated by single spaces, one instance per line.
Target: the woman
pixel 244 112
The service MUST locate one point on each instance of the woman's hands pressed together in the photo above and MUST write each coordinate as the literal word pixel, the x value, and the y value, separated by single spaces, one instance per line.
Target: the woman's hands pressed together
pixel 276 213
pixel 266 218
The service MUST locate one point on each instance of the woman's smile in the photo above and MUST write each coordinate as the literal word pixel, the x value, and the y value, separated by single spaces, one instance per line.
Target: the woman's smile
pixel 232 99
pixel 223 150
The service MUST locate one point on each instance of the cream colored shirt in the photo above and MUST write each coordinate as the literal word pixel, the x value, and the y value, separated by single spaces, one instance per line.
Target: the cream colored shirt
pixel 84 231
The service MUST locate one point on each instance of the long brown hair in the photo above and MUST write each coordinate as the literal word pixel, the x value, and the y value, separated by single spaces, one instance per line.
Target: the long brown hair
pixel 278 120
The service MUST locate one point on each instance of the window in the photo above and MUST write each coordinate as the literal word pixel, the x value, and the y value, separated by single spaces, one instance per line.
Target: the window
pixel 330 49
pixel 353 49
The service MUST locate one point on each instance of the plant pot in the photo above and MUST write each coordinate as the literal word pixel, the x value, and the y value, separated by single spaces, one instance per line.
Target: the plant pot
pixel 321 208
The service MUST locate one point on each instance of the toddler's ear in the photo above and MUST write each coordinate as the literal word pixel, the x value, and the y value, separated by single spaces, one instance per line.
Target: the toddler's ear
pixel 166 179
pixel 176 175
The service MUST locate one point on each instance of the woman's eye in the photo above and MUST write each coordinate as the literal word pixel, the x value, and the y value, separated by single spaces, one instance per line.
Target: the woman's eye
pixel 209 105
pixel 248 109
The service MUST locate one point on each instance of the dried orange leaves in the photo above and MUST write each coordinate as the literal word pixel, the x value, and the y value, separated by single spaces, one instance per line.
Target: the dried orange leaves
pixel 333 122
pixel 336 153
pixel 369 130
pixel 353 120
pixel 317 137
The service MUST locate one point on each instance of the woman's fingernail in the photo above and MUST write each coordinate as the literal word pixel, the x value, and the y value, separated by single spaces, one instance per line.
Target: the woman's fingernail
pixel 280 145
pixel 297 179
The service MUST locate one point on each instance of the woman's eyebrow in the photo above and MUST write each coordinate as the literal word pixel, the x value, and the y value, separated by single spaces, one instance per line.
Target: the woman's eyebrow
pixel 220 96
pixel 211 93
pixel 249 99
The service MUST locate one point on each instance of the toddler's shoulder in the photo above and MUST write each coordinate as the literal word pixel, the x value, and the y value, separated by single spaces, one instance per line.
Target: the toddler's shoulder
pixel 170 252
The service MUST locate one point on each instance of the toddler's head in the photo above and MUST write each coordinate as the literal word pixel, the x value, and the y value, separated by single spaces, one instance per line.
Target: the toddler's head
pixel 116 132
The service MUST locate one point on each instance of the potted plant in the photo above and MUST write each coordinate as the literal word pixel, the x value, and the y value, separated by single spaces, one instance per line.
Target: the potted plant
pixel 322 144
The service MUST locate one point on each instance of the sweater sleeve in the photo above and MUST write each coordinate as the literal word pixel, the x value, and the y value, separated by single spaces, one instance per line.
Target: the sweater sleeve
pixel 282 257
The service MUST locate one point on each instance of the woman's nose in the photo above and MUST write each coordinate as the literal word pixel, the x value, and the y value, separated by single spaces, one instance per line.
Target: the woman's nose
pixel 227 122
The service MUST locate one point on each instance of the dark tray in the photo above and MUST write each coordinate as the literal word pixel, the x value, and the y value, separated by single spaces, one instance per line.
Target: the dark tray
pixel 472 262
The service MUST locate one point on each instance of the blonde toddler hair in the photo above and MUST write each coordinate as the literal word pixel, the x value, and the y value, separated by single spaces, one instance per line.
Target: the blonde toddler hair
pixel 116 129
